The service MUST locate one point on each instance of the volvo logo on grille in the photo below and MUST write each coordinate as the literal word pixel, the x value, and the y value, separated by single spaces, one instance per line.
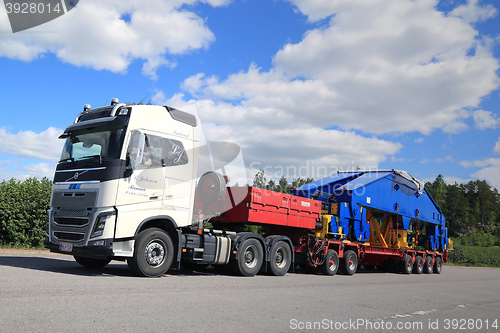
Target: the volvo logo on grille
pixel 76 175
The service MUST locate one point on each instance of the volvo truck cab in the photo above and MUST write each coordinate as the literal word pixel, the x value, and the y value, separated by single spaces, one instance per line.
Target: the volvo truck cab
pixel 124 186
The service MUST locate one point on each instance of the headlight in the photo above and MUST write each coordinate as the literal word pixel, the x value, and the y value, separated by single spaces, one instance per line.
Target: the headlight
pixel 100 224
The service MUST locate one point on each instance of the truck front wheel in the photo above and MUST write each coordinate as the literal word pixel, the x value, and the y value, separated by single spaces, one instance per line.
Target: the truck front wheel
pixel 153 253
pixel 249 258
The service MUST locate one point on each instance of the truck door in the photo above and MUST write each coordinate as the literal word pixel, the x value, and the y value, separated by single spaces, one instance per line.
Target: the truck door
pixel 179 178
pixel 140 194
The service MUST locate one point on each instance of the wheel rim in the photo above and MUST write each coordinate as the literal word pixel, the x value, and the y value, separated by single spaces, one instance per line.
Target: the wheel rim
pixel 250 256
pixel 351 265
pixel 331 265
pixel 155 253
pixel 280 258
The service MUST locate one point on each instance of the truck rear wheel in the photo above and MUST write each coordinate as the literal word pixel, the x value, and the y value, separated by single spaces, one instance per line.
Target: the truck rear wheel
pixel 418 266
pixel 92 263
pixel 428 267
pixel 280 259
pixel 407 265
pixel 438 265
pixel 349 264
pixel 331 264
pixel 153 253
pixel 249 258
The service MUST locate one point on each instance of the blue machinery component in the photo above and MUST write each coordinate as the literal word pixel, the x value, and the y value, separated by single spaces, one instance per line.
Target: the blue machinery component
pixel 353 198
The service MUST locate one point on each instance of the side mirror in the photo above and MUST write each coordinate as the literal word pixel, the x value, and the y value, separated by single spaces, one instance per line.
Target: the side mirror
pixel 128 167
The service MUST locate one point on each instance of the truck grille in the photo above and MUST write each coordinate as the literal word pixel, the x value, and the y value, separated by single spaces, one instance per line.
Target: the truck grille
pixel 69 236
pixel 71 221
pixel 75 199
pixel 71 225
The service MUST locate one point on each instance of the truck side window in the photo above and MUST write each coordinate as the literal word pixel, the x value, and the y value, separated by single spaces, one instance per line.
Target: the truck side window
pixel 175 154
pixel 153 149
pixel 135 149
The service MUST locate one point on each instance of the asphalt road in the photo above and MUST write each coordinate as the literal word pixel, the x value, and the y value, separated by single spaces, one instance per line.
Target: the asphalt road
pixel 43 292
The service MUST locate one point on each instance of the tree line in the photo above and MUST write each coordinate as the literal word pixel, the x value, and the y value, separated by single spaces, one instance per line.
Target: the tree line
pixel 472 210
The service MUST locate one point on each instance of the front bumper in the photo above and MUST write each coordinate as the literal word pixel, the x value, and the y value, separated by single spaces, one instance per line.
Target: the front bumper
pixel 96 252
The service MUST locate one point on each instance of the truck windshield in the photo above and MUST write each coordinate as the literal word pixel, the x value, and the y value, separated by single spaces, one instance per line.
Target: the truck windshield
pixel 97 142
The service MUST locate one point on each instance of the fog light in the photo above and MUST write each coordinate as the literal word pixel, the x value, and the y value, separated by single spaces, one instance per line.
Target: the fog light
pixel 98 243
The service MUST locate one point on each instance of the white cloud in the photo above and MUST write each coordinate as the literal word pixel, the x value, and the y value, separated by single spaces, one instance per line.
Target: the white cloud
pixel 490 171
pixel 270 139
pixel 95 35
pixel 41 146
pixel 485 119
pixel 496 149
pixel 438 160
pixel 472 12
pixel 419 140
pixel 17 169
pixel 378 66
pixel 450 180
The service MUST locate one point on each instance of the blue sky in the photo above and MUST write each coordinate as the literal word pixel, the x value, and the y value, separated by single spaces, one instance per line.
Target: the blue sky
pixel 305 87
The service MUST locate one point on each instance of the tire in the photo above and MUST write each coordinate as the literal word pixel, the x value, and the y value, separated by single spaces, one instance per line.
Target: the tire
pixel 349 264
pixel 91 263
pixel 249 258
pixel 211 187
pixel 428 266
pixel 407 265
pixel 331 264
pixel 418 266
pixel 280 259
pixel 153 253
pixel 438 265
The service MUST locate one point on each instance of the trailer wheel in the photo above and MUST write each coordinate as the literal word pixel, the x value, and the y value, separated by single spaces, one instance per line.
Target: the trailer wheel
pixel 331 264
pixel 153 253
pixel 438 265
pixel 92 263
pixel 418 266
pixel 249 258
pixel 349 263
pixel 280 259
pixel 428 265
pixel 407 265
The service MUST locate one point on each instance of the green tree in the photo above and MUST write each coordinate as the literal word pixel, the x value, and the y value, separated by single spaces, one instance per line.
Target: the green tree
pixel 23 211
pixel 437 190
pixel 260 180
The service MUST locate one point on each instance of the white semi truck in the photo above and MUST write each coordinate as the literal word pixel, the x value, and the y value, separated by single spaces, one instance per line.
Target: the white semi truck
pixel 124 186
pixel 124 189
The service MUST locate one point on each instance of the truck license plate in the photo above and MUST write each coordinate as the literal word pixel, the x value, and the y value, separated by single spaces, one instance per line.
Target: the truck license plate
pixel 66 247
